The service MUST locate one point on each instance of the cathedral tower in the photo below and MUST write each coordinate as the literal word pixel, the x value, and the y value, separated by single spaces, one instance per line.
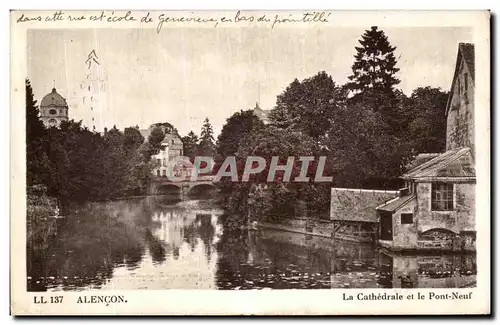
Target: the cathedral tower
pixel 53 109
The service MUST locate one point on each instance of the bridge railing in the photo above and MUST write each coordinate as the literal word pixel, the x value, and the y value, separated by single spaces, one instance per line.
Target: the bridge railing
pixel 199 179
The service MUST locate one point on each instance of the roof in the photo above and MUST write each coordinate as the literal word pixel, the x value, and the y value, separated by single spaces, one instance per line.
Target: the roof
pixel 420 159
pixel 172 136
pixel 53 99
pixel 453 163
pixel 168 136
pixel 357 204
pixel 465 52
pixel 395 204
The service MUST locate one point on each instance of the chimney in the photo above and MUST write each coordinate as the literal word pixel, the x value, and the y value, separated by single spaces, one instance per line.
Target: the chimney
pixel 404 192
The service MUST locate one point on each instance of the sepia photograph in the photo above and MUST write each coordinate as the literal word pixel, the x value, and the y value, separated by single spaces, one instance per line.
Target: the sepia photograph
pixel 289 152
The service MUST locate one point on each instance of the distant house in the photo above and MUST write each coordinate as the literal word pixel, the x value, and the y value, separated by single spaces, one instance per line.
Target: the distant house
pixel 171 148
pixel 262 114
pixel 438 208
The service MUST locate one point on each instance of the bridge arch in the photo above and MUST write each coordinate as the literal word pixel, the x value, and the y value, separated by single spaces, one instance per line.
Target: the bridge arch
pixel 168 189
pixel 203 189
pixel 433 232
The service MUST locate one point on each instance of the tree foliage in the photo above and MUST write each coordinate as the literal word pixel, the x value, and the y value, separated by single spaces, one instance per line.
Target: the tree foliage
pixel 153 144
pixel 236 128
pixel 425 122
pixel 206 146
pixel 308 106
pixel 360 149
pixel 73 163
pixel 87 166
pixel 36 157
pixel 374 67
pixel 190 143
pixel 166 127
pixel 374 77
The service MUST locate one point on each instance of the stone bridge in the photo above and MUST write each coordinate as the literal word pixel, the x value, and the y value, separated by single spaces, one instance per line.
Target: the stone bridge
pixel 162 185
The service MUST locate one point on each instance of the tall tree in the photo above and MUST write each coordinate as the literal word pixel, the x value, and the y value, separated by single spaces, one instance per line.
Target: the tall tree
pixel 374 75
pixel 237 127
pixel 206 146
pixel 133 138
pixel 152 146
pixel 308 106
pixel 190 143
pixel 37 163
pixel 374 67
pixel 361 149
pixel 425 129
pixel 166 127
pixel 34 126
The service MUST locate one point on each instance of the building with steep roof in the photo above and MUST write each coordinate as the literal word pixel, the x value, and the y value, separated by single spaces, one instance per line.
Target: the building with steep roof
pixel 437 211
pixel 353 214
pixel 53 109
pixel 460 106
pixel 171 148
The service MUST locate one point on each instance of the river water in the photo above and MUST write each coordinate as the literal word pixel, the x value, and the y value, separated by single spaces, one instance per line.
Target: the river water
pixel 157 243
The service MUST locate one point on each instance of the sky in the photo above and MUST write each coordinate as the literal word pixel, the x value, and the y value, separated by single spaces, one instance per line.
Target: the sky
pixel 183 75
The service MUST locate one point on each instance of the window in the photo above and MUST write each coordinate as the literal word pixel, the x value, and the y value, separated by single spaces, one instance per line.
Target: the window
pixel 172 141
pixel 52 112
pixel 52 122
pixel 406 218
pixel 164 173
pixel 158 161
pixel 164 161
pixel 414 188
pixel 158 173
pixel 442 197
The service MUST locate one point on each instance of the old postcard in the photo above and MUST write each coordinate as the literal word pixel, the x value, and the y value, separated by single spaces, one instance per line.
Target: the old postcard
pixel 250 162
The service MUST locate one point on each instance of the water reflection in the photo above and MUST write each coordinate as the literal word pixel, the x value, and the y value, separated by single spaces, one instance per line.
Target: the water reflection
pixel 154 243
pixel 164 243
pixel 281 260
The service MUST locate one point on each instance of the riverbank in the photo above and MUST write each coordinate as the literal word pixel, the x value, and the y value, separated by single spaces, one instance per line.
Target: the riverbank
pixel 315 227
pixel 41 223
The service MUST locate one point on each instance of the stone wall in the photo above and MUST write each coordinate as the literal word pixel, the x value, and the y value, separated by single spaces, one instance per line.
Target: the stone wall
pixel 462 218
pixel 404 235
pixel 314 226
pixel 460 119
pixel 460 221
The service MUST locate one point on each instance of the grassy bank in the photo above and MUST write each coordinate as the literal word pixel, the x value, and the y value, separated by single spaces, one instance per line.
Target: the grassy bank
pixel 39 222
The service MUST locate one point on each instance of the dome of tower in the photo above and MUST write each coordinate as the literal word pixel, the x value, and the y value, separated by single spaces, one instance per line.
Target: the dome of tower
pixel 53 99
